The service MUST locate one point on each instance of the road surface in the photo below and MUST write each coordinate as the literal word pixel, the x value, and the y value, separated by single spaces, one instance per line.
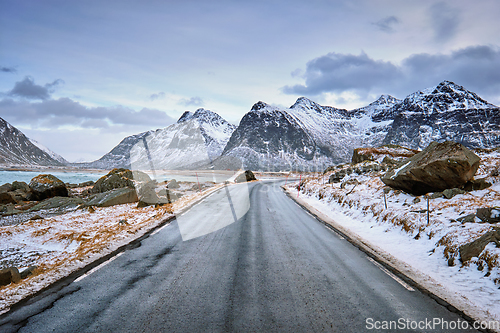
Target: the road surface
pixel 246 259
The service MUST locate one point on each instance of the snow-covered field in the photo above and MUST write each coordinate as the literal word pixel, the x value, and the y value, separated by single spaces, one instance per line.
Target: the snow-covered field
pixel 424 248
pixel 63 244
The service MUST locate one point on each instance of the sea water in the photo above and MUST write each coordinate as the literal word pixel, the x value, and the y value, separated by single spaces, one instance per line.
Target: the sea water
pixel 67 177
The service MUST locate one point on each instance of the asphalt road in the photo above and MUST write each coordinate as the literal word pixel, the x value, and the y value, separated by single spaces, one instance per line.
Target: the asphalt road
pixel 246 259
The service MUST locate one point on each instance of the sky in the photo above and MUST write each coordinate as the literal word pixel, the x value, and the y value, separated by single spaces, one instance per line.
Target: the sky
pixel 79 76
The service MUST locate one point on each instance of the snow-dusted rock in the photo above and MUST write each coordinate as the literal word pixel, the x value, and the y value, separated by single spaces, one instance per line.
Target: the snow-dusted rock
pixel 47 186
pixel 438 167
pixel 114 197
pixel 116 178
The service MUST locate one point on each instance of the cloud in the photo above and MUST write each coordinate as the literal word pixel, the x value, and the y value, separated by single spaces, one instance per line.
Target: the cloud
pixel 475 67
pixel 195 101
pixel 62 112
pixel 7 69
pixel 156 96
pixel 444 21
pixel 387 24
pixel 28 89
pixel 337 72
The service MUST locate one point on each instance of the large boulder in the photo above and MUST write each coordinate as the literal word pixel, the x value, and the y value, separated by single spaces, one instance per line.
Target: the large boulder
pixel 114 197
pixel 59 204
pixel 438 167
pixel 9 275
pixel 7 187
pixel 474 248
pixel 47 186
pixel 7 198
pixel 20 186
pixel 246 176
pixel 116 178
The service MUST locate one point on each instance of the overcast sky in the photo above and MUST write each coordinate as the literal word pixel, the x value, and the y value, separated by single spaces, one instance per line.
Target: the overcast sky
pixel 79 76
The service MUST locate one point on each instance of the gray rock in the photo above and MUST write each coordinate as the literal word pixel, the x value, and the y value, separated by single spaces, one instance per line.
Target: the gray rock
pixel 47 186
pixel 60 204
pixel 173 184
pixel 7 187
pixel 87 183
pixel 467 219
pixel 476 185
pixel 438 167
pixel 116 178
pixel 489 215
pixel 9 275
pixel 114 197
pixel 20 186
pixel 6 198
pixel 27 272
pixel 436 195
pixel 474 248
pixel 246 176
pixel 147 194
pixel 140 176
pixel 450 193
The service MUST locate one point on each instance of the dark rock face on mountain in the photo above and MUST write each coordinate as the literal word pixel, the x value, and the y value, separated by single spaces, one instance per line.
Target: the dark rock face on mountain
pixel 447 112
pixel 17 149
pixel 438 167
pixel 266 132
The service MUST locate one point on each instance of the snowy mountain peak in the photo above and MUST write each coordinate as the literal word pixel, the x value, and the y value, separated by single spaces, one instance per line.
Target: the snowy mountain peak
pixel 206 116
pixel 386 100
pixel 304 102
pixel 185 117
pixel 446 96
pixel 259 106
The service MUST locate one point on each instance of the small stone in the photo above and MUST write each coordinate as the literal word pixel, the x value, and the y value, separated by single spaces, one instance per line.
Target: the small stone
pixel 36 217
pixel 450 193
pixel 416 200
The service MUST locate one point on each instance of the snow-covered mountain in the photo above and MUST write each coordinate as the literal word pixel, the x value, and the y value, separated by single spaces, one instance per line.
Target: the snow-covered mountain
pixel 17 149
pixel 52 154
pixel 308 136
pixel 195 140
pixel 445 112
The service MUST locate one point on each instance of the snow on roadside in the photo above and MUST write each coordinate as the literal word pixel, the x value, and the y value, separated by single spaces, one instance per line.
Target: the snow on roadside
pixel 402 231
pixel 63 244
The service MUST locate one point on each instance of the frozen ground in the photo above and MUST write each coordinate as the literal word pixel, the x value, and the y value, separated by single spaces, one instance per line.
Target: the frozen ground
pixel 426 249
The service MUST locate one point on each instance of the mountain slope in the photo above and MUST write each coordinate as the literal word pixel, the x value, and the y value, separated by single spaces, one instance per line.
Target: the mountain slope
pixel 445 112
pixel 17 149
pixel 52 154
pixel 195 139
pixel 306 136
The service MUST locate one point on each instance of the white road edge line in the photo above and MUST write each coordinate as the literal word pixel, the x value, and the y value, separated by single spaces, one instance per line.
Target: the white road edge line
pixel 159 229
pixel 98 267
pixel 394 277
pixel 334 232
